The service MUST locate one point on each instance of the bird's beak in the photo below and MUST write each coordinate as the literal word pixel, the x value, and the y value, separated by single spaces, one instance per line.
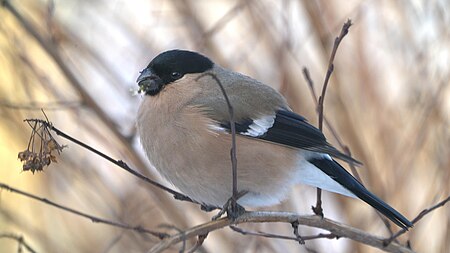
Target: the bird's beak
pixel 149 83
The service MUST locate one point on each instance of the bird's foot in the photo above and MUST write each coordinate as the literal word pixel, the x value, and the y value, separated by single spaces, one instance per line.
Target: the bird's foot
pixel 232 208
pixel 317 210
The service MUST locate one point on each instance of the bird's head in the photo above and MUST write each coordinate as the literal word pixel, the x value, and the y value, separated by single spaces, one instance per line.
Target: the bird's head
pixel 169 67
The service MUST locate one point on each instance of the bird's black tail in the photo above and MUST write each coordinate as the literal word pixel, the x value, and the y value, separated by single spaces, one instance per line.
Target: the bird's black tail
pixel 340 175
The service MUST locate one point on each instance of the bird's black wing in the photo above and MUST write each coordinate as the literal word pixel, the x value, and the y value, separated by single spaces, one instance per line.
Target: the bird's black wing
pixel 288 128
pixel 291 129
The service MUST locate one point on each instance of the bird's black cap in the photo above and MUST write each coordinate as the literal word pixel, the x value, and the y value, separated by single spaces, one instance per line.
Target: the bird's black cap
pixel 170 66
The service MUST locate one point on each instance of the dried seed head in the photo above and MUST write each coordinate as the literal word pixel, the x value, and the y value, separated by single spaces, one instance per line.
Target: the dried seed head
pixel 40 148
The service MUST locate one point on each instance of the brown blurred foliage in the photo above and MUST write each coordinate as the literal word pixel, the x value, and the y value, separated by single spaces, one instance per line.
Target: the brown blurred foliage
pixel 388 98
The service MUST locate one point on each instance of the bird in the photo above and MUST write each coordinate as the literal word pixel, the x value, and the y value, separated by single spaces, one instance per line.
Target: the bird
pixel 184 126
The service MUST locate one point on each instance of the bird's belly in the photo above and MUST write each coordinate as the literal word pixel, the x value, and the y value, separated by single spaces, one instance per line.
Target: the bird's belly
pixel 200 166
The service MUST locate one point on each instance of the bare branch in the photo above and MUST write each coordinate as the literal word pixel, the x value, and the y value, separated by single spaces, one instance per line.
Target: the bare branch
pixel 199 243
pixel 225 19
pixel 275 236
pixel 233 150
pixel 336 228
pixel 120 163
pixel 88 216
pixel 34 106
pixel 337 41
pixel 19 240
pixel 418 218
pixel 344 31
pixel 341 145
pixel 296 233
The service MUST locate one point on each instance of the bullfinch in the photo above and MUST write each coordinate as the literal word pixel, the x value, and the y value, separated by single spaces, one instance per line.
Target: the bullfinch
pixel 184 127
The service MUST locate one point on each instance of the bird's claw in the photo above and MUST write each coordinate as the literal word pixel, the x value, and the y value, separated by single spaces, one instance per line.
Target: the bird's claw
pixel 232 208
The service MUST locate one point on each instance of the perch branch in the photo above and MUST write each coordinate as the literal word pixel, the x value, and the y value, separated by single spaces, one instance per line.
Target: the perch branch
pixel 334 227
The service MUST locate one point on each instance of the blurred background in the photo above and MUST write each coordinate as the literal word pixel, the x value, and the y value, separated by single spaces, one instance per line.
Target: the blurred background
pixel 388 99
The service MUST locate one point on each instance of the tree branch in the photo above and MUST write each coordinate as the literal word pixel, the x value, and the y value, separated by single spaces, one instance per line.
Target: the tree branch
pixel 235 194
pixel 337 41
pixel 344 31
pixel 334 227
pixel 418 217
pixel 276 236
pixel 88 216
pixel 20 240
pixel 120 163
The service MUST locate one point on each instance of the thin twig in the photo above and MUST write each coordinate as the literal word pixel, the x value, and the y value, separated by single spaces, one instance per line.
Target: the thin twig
pixel 19 239
pixel 337 41
pixel 88 216
pixel 418 218
pixel 120 163
pixel 310 83
pixel 296 233
pixel 198 243
pixel 225 19
pixel 233 141
pixel 113 242
pixel 344 147
pixel 341 145
pixel 170 226
pixel 226 206
pixel 32 106
pixel 344 31
pixel 333 131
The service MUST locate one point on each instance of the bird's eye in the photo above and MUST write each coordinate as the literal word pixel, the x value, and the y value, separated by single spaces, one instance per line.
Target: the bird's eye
pixel 176 75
